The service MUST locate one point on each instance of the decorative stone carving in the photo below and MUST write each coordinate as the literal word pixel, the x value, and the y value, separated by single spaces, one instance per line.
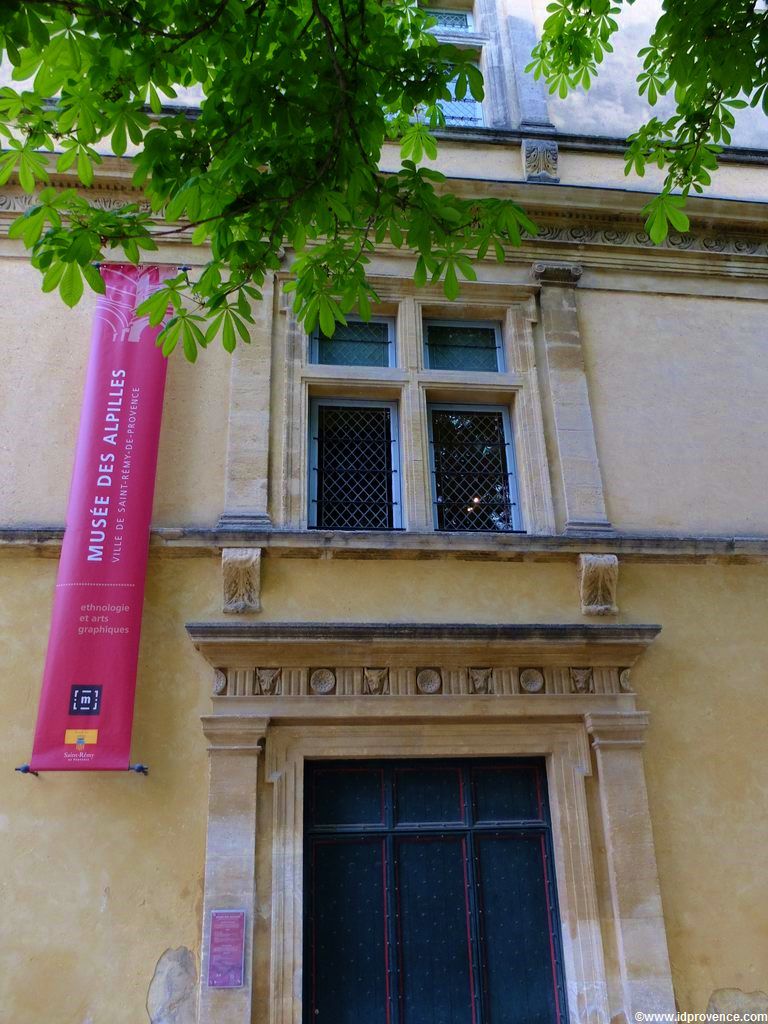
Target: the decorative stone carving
pixel 429 680
pixel 625 681
pixel 322 680
pixel 556 273
pixel 598 579
pixel 481 680
pixel 540 160
pixel 532 680
pixel 375 680
pixel 241 569
pixel 219 682
pixel 268 680
pixel 582 680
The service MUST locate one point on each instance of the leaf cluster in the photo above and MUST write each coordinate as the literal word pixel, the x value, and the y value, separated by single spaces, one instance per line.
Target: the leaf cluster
pixel 709 56
pixel 296 99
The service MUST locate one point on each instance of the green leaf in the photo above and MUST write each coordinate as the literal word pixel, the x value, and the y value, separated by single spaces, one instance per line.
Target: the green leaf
pixel 71 286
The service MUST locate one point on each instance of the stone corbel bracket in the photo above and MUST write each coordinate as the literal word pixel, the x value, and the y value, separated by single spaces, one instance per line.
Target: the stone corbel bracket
pixel 598 577
pixel 540 160
pixel 241 577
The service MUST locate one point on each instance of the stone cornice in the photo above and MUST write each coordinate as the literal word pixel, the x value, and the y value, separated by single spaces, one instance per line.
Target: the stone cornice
pixel 183 542
pixel 596 220
pixel 241 645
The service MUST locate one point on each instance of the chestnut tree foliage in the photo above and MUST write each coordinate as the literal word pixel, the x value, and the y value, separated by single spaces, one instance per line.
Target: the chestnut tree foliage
pixel 282 146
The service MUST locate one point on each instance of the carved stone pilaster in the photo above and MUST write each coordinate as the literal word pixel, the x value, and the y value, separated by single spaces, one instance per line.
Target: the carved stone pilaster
pixel 598 577
pixel 540 160
pixel 241 570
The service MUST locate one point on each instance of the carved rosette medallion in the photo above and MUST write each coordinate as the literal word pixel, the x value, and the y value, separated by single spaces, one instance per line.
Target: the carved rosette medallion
pixel 429 680
pixel 481 680
pixel 582 680
pixel 219 682
pixel 375 680
pixel 625 681
pixel 532 680
pixel 322 681
pixel 268 680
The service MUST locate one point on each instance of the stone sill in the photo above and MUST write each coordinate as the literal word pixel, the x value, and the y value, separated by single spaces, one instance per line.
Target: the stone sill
pixel 196 542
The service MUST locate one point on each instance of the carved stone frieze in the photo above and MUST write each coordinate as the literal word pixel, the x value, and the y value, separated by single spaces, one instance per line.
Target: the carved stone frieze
pixel 532 680
pixel 395 682
pixel 268 680
pixel 375 680
pixel 322 681
pixel 540 160
pixel 241 571
pixel 598 577
pixel 429 680
pixel 582 680
pixel 481 680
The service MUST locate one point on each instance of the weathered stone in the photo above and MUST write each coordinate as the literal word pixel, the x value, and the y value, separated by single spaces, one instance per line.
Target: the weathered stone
pixel 172 991
pixel 734 1000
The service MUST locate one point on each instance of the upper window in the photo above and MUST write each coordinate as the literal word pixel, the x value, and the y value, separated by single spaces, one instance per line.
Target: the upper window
pixel 431 894
pixel 356 344
pixel 452 21
pixel 354 471
pixel 462 345
pixel 473 469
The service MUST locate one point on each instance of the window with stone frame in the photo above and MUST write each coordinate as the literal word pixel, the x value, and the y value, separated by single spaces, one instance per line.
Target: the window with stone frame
pixel 354 465
pixel 356 343
pixel 473 469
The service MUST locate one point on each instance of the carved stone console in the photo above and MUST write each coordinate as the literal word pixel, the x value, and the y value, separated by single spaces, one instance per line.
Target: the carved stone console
pixel 347 690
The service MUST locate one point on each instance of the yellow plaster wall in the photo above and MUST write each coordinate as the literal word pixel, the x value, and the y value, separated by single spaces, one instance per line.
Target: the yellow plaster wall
pixel 678 386
pixel 44 357
pixel 103 873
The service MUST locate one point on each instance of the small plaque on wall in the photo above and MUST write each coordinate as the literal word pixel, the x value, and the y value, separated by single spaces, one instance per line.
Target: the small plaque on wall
pixel 226 957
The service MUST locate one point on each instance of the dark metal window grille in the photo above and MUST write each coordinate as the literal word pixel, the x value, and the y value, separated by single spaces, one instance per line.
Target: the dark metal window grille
pixel 356 344
pixel 461 347
pixel 467 112
pixel 451 21
pixel 430 894
pixel 471 465
pixel 356 484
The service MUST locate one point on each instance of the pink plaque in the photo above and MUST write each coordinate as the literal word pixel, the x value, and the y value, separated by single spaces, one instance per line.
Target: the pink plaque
pixel 226 957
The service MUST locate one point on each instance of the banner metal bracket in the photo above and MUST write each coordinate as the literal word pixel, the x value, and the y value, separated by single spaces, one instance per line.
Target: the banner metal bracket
pixel 26 770
pixel 141 769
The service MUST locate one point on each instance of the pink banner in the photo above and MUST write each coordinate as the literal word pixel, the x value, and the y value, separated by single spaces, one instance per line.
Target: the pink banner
pixel 86 704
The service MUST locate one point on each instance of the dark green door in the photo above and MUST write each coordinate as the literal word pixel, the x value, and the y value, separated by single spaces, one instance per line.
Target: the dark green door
pixel 430 894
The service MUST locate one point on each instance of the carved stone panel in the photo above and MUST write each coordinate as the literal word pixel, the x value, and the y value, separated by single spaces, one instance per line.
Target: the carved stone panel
pixel 598 581
pixel 241 569
pixel 429 680
pixel 375 680
pixel 582 680
pixel 481 680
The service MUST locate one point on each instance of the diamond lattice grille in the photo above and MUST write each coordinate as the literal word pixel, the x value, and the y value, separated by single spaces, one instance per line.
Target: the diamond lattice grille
pixel 472 488
pixel 461 347
pixel 355 344
pixel 451 21
pixel 355 471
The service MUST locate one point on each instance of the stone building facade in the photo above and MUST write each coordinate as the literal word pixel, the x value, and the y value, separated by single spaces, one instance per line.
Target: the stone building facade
pixel 607 621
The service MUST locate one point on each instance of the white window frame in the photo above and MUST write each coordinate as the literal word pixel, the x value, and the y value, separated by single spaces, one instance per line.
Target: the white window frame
pixel 313 467
pixel 500 362
pixel 314 343
pixel 514 492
